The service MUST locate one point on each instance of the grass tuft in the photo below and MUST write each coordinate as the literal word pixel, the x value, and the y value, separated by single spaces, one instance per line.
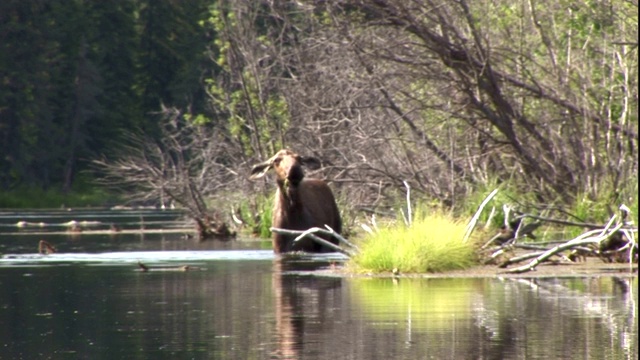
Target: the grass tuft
pixel 432 244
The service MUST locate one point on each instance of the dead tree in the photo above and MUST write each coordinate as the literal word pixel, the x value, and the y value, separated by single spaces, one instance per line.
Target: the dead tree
pixel 185 166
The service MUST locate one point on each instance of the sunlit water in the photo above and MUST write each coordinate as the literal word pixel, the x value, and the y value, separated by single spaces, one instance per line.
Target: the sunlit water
pixel 91 300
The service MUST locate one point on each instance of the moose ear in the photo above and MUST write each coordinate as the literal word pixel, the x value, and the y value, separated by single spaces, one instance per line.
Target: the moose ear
pixel 259 170
pixel 311 162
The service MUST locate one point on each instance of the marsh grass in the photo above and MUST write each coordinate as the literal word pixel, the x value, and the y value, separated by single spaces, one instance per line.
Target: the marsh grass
pixel 508 194
pixel 263 227
pixel 254 211
pixel 587 206
pixel 598 206
pixel 433 243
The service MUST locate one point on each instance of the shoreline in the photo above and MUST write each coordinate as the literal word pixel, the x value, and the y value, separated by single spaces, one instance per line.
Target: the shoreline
pixel 591 267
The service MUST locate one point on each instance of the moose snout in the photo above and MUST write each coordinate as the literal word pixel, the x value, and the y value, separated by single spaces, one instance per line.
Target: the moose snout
pixel 295 175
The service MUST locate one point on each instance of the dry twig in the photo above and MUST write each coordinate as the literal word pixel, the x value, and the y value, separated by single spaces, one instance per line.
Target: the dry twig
pixel 584 239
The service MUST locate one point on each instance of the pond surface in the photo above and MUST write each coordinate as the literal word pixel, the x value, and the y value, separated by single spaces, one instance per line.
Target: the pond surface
pixel 90 300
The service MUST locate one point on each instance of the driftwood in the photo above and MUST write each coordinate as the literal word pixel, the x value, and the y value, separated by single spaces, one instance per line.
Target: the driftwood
pixel 146 268
pixel 615 241
pixel 591 237
pixel 44 247
pixel 208 228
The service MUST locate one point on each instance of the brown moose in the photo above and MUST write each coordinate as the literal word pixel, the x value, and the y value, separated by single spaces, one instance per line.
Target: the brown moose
pixel 300 203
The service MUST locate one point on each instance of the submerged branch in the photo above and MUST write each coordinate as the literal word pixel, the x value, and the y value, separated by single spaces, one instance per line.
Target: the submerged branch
pixel 311 233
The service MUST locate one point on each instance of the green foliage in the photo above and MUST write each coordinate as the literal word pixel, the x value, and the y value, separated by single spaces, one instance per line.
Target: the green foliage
pixel 243 94
pixel 508 194
pixel 37 198
pixel 633 205
pixel 256 213
pixel 598 207
pixel 433 243
pixel 78 75
pixel 588 209
pixel 264 225
pixel 199 119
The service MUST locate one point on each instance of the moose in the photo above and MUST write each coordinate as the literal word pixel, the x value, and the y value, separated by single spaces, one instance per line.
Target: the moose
pixel 299 203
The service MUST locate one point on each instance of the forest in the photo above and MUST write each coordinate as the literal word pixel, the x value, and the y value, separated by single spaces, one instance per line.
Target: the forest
pixel 78 76
pixel 176 99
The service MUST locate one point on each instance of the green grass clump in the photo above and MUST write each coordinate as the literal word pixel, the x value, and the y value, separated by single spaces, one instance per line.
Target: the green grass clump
pixel 432 243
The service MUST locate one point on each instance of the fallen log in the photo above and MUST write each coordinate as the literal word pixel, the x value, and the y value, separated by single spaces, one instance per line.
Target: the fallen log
pixel 145 268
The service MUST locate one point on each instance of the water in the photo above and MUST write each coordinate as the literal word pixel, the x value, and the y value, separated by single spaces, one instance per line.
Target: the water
pixel 238 301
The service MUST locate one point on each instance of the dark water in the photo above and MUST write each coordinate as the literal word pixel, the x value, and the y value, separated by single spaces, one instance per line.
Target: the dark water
pixel 239 301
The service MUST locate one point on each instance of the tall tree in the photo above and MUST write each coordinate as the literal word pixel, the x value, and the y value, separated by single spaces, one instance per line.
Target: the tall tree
pixel 113 46
pixel 171 55
pixel 78 75
pixel 32 75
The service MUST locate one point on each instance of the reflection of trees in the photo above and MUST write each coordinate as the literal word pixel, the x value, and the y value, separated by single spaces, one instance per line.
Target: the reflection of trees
pixel 301 305
pixel 567 318
pixel 592 300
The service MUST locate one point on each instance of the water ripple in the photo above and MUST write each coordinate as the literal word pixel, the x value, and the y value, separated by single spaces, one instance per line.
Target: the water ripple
pixel 134 257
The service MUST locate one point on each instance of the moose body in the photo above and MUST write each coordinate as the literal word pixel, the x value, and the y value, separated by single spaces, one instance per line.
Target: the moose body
pixel 300 203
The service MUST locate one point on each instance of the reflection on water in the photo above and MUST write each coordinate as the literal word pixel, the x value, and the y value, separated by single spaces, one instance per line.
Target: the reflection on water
pixel 96 244
pixel 304 309
pixel 578 318
pixel 90 300
pixel 416 304
pixel 261 309
pixel 43 221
